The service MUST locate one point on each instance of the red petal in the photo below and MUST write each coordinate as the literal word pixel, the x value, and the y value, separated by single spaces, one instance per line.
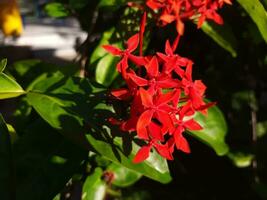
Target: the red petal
pixel 153 67
pixel 146 98
pixel 188 71
pixel 155 131
pixel 180 142
pixel 120 93
pixel 164 98
pixel 168 48
pixel 138 60
pixel 167 18
pixel 164 151
pixel 176 42
pixel 180 27
pixel 141 33
pixel 142 134
pixel 165 119
pixel 192 125
pixel 163 56
pixel 142 154
pixel 132 42
pixel 201 20
pixel 176 98
pixel 138 80
pixel 144 120
pixel 113 50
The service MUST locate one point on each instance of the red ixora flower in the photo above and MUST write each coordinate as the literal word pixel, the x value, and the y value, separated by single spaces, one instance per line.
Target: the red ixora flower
pixel 178 11
pixel 162 94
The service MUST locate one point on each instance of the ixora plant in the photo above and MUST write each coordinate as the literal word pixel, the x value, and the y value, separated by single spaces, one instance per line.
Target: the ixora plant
pixel 121 115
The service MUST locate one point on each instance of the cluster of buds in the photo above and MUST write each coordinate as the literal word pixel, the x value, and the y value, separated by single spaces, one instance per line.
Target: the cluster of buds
pixel 178 11
pixel 162 94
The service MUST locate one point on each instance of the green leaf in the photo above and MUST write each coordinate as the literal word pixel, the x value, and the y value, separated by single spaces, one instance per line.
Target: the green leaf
pixel 155 167
pixel 94 187
pixel 104 62
pixel 106 71
pixel 3 64
pixel 258 14
pixel 214 130
pixel 9 87
pixel 123 177
pixel 6 166
pixel 222 35
pixel 103 3
pixel 56 10
pixel 240 159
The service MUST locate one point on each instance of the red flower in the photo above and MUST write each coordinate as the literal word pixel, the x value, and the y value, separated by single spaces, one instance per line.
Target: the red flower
pixel 163 96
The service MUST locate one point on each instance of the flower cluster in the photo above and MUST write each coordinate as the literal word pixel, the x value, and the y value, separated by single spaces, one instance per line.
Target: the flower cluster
pixel 178 11
pixel 163 97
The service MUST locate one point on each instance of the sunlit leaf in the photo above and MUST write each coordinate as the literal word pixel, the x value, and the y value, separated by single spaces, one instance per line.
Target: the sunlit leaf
pixel 240 159
pixel 3 64
pixel 123 177
pixel 258 14
pixel 56 9
pixel 94 187
pixel 9 88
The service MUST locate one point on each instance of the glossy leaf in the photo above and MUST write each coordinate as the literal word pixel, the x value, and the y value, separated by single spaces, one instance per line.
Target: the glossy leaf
pixel 9 87
pixel 56 10
pixel 214 130
pixel 94 187
pixel 104 62
pixel 257 12
pixel 222 35
pixel 3 64
pixel 6 167
pixel 155 167
pixel 123 177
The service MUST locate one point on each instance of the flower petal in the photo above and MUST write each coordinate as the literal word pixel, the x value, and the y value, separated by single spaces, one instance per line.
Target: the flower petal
pixel 180 142
pixel 113 50
pixel 147 99
pixel 132 42
pixel 142 154
pixel 144 120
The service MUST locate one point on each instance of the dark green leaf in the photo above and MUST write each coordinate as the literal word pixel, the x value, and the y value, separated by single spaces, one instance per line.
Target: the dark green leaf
pixel 9 87
pixel 3 64
pixel 78 4
pixel 6 167
pixel 94 187
pixel 56 10
pixel 223 35
pixel 214 130
pixel 258 14
pixel 103 3
pixel 123 177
